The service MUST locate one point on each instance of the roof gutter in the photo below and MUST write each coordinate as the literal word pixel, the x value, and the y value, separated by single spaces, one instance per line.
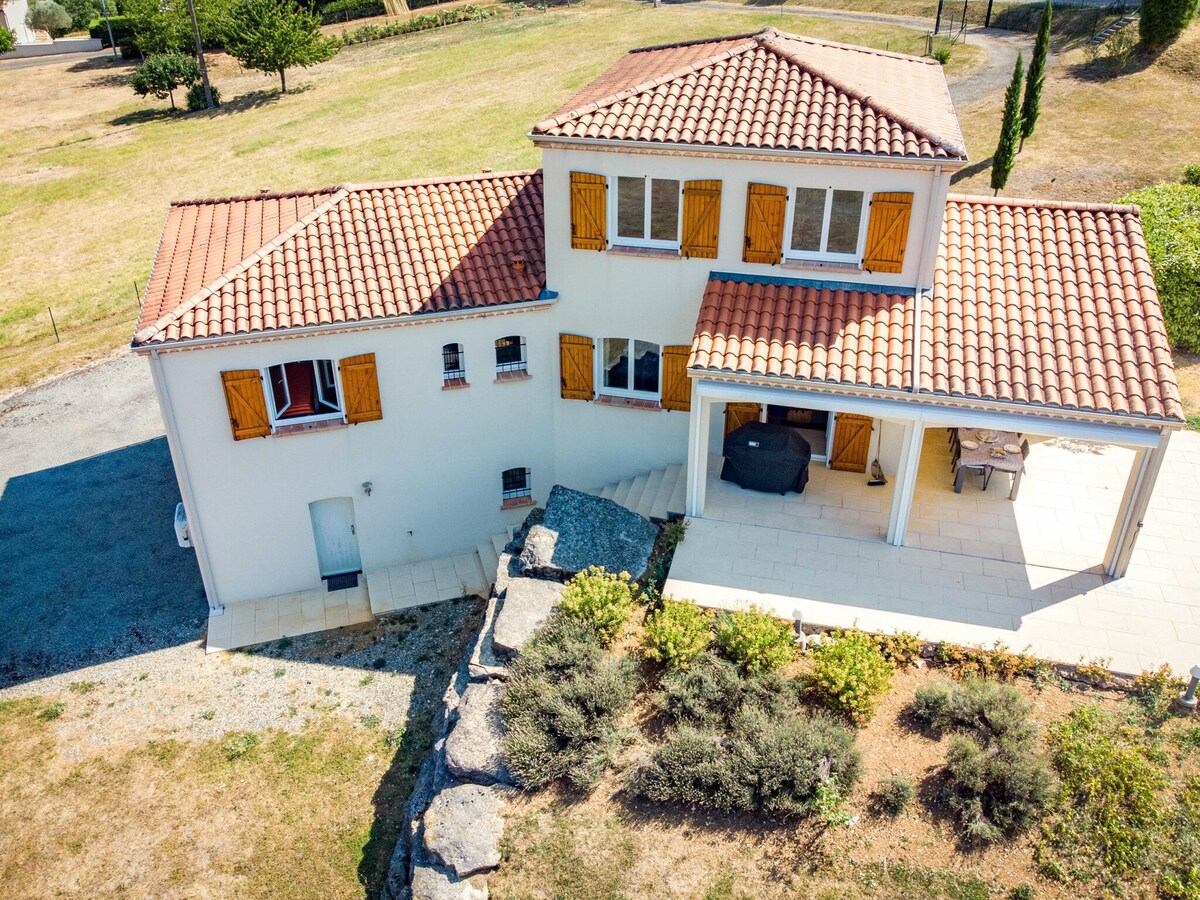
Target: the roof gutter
pixel 545 300
pixel 940 409
pixel 859 159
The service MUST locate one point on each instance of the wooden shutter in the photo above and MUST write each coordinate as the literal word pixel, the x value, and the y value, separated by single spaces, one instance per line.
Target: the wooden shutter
pixel 589 203
pixel 739 414
pixel 766 210
pixel 247 404
pixel 360 388
pixel 576 367
pixel 676 386
pixel 701 219
pixel 887 232
pixel 851 441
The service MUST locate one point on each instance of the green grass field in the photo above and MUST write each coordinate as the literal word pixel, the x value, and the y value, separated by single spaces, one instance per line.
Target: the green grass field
pixel 88 169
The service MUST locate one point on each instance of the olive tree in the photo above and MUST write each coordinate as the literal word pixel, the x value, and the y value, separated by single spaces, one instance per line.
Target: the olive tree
pixel 48 16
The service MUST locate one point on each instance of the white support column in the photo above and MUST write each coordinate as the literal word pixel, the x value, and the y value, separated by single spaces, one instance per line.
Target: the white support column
pixel 697 464
pixel 1138 489
pixel 906 482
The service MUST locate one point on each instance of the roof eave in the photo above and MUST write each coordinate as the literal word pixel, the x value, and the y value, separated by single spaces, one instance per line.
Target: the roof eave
pixel 948 164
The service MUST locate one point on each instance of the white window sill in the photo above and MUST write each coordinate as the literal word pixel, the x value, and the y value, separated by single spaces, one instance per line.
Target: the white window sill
pixel 644 252
pixel 512 375
pixel 285 430
pixel 628 402
pixel 822 265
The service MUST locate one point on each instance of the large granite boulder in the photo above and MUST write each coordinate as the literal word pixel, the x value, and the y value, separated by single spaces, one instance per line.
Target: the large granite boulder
pixel 579 530
pixel 463 828
pixel 527 603
pixel 474 749
pixel 430 883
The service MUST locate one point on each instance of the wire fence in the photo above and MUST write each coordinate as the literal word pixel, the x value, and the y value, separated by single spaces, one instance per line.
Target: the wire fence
pixel 1071 17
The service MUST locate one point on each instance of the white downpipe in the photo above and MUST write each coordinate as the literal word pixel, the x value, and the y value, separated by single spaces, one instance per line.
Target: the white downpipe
pixel 185 484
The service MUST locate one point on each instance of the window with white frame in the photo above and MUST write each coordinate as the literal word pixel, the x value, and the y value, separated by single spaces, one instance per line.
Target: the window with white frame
pixel 827 223
pixel 631 367
pixel 304 391
pixel 515 485
pixel 647 213
pixel 510 354
pixel 454 366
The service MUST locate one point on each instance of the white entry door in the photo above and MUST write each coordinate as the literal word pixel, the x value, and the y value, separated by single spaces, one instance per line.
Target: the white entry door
pixel 334 533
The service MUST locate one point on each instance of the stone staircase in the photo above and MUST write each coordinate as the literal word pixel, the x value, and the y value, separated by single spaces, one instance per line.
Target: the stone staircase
pixel 1112 29
pixel 658 495
pixel 489 554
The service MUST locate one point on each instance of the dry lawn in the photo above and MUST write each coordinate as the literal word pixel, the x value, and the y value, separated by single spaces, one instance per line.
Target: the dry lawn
pixel 612 845
pixel 88 168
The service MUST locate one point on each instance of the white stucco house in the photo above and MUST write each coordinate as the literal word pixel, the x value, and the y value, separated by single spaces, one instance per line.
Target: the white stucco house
pixel 12 17
pixel 363 377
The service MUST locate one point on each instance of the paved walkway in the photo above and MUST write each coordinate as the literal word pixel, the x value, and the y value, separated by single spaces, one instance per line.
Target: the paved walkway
pixel 1029 584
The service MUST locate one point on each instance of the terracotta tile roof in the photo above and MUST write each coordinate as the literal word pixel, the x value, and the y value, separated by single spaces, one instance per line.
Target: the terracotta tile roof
pixel 769 90
pixel 1052 304
pixel 782 328
pixel 247 265
pixel 1034 303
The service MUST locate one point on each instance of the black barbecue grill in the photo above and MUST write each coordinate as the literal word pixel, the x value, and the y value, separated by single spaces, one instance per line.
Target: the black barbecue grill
pixel 761 456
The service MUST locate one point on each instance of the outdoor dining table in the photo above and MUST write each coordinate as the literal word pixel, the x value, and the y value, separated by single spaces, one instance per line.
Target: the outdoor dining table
pixel 981 457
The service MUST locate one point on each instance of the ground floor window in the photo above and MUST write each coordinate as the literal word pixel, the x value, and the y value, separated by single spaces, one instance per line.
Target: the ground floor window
pixel 510 354
pixel 304 389
pixel 515 485
pixel 631 366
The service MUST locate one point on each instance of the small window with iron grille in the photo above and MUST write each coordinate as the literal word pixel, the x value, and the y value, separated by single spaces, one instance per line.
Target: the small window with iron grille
pixel 510 354
pixel 454 366
pixel 515 486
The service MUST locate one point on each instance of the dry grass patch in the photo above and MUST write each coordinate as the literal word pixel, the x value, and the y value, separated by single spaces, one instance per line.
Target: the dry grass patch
pixel 267 815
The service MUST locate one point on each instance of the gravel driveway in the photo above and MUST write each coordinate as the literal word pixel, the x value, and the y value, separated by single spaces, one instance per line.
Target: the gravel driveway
pixel 89 567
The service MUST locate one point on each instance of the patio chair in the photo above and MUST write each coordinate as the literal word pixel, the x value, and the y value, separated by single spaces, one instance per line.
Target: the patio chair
pixel 977 469
pixel 1011 475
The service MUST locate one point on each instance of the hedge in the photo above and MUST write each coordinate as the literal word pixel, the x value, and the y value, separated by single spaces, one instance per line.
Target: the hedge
pixel 345 10
pixel 1171 221
pixel 122 31
pixel 371 32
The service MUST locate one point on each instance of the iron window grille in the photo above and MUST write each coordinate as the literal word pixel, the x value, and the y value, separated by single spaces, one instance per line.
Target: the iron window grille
pixel 453 362
pixel 514 483
pixel 510 354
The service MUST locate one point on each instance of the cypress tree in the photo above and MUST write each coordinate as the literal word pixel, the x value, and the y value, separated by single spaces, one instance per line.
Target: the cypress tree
pixel 1036 77
pixel 1010 129
pixel 1161 21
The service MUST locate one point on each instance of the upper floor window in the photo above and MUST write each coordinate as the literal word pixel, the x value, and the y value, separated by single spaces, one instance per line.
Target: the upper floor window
pixel 304 390
pixel 648 211
pixel 510 354
pixel 631 366
pixel 827 223
pixel 454 366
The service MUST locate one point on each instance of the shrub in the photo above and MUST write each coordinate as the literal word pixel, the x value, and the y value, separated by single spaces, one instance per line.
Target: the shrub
pixel 81 12
pixel 849 673
pixel 1191 174
pixel 931 702
pixel 53 711
pixel 1021 892
pixel 677 634
pixel 1155 691
pixel 8 40
pixel 122 31
pixel 995 712
pixel 902 648
pixel 48 16
pixel 1170 215
pixel 565 693
pixel 943 54
pixel 164 73
pixel 755 640
pixel 601 599
pixel 196 100
pixel 1162 20
pixel 996 789
pixel 775 765
pixel 894 795
pixel 713 692
pixel 1109 799
pixel 345 10
pixel 237 744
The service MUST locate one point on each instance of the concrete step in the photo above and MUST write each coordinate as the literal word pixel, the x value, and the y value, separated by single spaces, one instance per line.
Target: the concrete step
pixel 649 492
pixel 676 504
pixel 622 491
pixel 635 491
pixel 658 506
pixel 498 542
pixel 490 560
pixel 608 490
